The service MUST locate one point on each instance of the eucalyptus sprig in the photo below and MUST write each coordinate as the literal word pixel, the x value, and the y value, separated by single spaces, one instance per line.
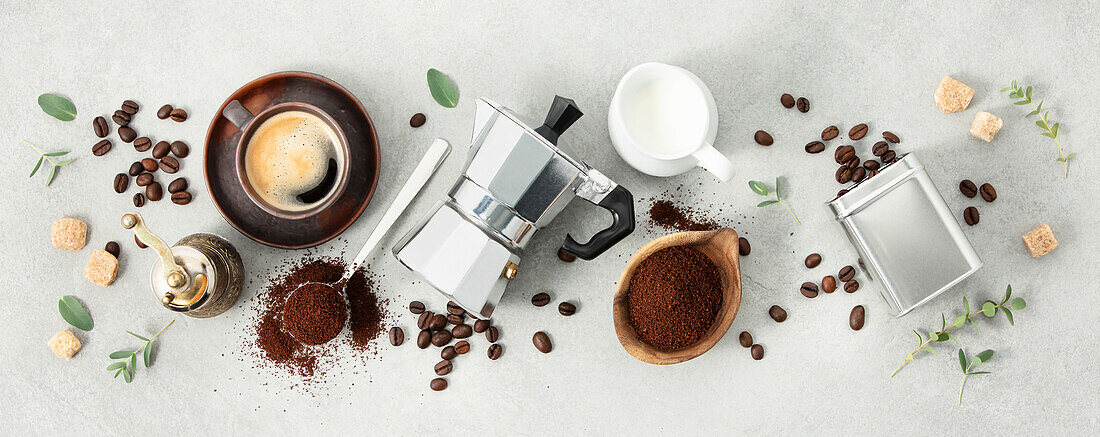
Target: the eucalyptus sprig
pixel 988 309
pixel 1025 96
pixel 129 358
pixel 43 157
pixel 761 189
pixel 968 367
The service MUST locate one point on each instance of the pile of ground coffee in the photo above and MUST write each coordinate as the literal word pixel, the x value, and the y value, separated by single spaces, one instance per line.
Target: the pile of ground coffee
pixel 668 215
pixel 315 314
pixel 674 297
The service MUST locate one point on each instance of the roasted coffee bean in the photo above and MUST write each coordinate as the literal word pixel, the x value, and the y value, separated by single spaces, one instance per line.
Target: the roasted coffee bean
pixel 855 320
pixel 454 308
pixel 858 131
pixel 870 165
pixel 138 242
pixel 542 342
pixel 164 112
pixel 889 136
pixel 809 289
pixel 142 144
pixel 480 326
pixel 492 334
pixel 135 169
pixel 144 179
pixel 858 173
pixel 177 185
pixel 101 148
pixel 442 368
pixel 880 148
pixel 169 165
pixel 438 384
pixel 567 309
pixel 180 149
pixel 828 284
pixel 871 173
pixel 566 256
pixel 830 133
pixel 777 313
pixel 786 100
pixel 803 105
pixel 139 200
pixel 448 353
pixel 462 347
pixel 418 120
pixel 494 351
pixel 743 247
pixel 815 147
pixel 888 157
pixel 763 138
pixel 851 286
pixel 853 163
pixel 423 339
pixel 121 118
pixel 540 299
pixel 126 134
pixel 988 192
pixel 178 115
pixel 397 336
pixel 455 319
pixel 745 338
pixel 415 307
pixel 462 331
pixel 99 126
pixel 846 273
pixel 181 197
pixel 812 260
pixel 843 154
pixel 424 320
pixel 968 188
pixel 113 248
pixel 131 107
pixel 122 181
pixel 161 149
pixel 154 192
pixel 441 338
pixel 843 174
pixel 437 322
pixel 757 352
pixel 970 215
pixel 841 192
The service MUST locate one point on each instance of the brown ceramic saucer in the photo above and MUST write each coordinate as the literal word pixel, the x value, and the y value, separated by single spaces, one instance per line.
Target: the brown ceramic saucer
pixel 219 163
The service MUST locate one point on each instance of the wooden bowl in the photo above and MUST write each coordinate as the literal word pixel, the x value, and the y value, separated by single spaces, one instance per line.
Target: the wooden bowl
pixel 721 247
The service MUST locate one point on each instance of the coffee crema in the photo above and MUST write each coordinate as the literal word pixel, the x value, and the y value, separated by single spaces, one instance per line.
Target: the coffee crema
pixel 291 160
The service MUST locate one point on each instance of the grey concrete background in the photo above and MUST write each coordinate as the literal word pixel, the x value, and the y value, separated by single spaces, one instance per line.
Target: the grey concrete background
pixel 856 62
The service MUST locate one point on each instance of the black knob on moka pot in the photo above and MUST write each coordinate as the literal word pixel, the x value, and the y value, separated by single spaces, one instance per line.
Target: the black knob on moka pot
pixel 200 276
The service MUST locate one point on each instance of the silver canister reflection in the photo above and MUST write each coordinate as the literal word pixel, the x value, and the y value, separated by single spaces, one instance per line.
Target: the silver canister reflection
pixel 909 241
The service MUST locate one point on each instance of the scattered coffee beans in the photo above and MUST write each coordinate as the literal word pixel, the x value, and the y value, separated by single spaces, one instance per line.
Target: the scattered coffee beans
pixel 846 273
pixel 763 138
pixel 177 185
pixel 970 215
pixel 437 322
pixel 855 320
pixel 857 132
pixel 871 165
pixel 425 320
pixel 113 248
pixel 397 336
pixel 178 115
pixel 494 351
pixel 135 169
pixel 480 326
pixel 888 157
pixel 815 147
pixel 101 148
pixel 416 307
pixel 130 107
pixel 181 197
pixel 154 191
pixel 441 338
pixel 745 338
pixel 567 309
pixel 858 173
pixel 139 200
pixel 437 384
pixel 566 256
pixel 442 368
pixel 968 188
pixel 180 149
pixel 542 342
pixel 743 247
pixel 455 319
pixel 889 136
pixel 423 339
pixel 809 289
pixel 454 308
pixel 418 120
pixel 786 100
pixel 121 118
pixel 492 334
pixel 126 134
pixel 448 353
pixel 99 126
pixel 844 174
pixel 144 179
pixel 777 313
pixel 122 181
pixel 851 286
pixel 169 165
pixel 757 352
pixel 803 105
pixel 828 284
pixel 142 144
pixel 843 154
pixel 988 192
pixel 462 331
pixel 812 260
pixel 164 112
pixel 161 149
pixel 540 299
pixel 462 347
pixel 829 133
pixel 880 148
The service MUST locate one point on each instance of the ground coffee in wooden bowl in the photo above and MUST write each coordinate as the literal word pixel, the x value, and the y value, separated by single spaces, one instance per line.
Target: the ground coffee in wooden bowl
pixel 674 297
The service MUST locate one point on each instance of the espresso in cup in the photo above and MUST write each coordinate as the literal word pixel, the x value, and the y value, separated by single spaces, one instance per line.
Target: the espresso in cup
pixel 292 160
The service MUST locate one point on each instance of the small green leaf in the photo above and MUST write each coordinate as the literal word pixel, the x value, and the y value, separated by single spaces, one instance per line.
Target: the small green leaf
pixel 966 306
pixel 985 355
pixel 920 340
pixel 759 188
pixel 56 153
pixel 148 356
pixel 74 313
pixel 116 365
pixel 118 355
pixel 36 166
pixel 959 321
pixel 962 360
pixel 933 352
pixel 1047 134
pixel 53 172
pixel 1022 102
pixel 766 203
pixel 989 308
pixel 1041 124
pixel 1014 86
pixel 119 371
pixel 133 362
pixel 443 90
pixel 1008 294
pixel 979 373
pixel 1054 129
pixel 1018 303
pixel 1070 156
pixel 128 374
pixel 1006 89
pixel 943 320
pixel 62 163
pixel 776 188
pixel 975 325
pixel 952 337
pixel 57 107
pixel 1028 92
pixel 1008 314
pixel 1015 94
pixel 138 336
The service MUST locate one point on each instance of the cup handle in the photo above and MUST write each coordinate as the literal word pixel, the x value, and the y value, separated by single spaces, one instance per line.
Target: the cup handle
pixel 715 162
pixel 237 114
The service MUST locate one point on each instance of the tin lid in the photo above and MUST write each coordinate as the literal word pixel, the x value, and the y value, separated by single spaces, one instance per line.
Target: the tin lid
pixel 909 240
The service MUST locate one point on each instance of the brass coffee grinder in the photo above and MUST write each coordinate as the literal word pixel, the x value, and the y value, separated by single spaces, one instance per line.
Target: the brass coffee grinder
pixel 200 276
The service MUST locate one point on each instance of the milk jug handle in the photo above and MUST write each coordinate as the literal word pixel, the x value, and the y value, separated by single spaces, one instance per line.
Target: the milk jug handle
pixel 715 162
pixel 621 204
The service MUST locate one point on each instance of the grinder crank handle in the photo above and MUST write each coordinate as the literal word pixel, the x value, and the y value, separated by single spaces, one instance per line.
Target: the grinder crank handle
pixel 621 204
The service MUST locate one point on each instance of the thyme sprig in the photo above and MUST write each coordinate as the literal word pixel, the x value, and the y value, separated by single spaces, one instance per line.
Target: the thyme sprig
pixel 129 358
pixel 1050 130
pixel 762 189
pixel 43 157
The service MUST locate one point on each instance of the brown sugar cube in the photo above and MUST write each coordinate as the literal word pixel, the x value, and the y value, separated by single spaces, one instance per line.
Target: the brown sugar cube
pixel 102 268
pixel 985 126
pixel 69 234
pixel 1040 241
pixel 64 344
pixel 952 95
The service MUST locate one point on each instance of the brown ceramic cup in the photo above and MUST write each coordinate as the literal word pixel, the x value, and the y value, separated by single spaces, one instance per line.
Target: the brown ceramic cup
pixel 248 123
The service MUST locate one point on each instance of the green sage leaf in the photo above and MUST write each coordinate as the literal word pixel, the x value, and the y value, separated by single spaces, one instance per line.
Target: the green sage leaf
pixel 766 203
pixel 759 188
pixel 36 166
pixel 116 365
pixel 443 90
pixel 1008 314
pixel 962 360
pixel 989 308
pixel 57 107
pixel 74 313
pixel 118 355
pixel 1018 303
pixel 984 355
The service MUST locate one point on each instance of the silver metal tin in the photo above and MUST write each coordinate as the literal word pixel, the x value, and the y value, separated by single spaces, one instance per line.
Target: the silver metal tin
pixel 909 242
